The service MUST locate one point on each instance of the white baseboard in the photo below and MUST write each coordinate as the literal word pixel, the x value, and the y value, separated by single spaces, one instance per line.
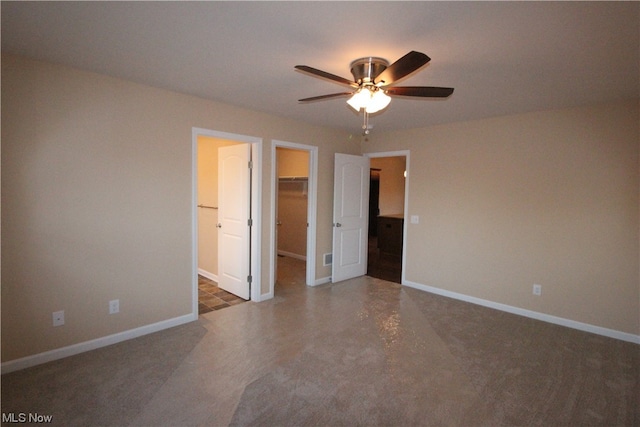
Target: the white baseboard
pixel 208 275
pixel 322 281
pixel 292 255
pixel 264 297
pixel 60 353
pixel 624 336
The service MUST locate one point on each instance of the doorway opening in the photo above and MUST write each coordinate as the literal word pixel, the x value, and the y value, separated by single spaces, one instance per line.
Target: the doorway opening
pixel 387 210
pixel 207 217
pixel 294 195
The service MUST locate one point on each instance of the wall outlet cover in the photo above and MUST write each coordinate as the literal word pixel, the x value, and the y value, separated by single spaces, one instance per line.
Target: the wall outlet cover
pixel 114 306
pixel 58 318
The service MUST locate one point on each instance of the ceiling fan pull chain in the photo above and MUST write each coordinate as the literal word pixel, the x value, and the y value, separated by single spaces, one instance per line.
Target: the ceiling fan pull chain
pixel 365 125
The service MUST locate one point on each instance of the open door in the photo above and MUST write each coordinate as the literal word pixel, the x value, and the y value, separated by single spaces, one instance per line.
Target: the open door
pixel 234 195
pixel 350 216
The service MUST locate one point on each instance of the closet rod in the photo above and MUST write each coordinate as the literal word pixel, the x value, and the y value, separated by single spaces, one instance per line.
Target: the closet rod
pixel 207 207
pixel 293 178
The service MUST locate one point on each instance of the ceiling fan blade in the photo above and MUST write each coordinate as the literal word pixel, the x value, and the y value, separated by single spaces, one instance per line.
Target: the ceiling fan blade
pixel 321 97
pixel 421 91
pixel 325 75
pixel 402 67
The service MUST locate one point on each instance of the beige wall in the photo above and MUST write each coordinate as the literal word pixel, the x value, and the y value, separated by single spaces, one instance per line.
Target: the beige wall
pixel 96 197
pixel 391 184
pixel 292 202
pixel 292 162
pixel 96 205
pixel 548 198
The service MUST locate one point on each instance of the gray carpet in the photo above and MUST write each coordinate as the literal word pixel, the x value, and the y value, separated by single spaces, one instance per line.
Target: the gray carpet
pixel 369 370
pixel 361 352
pixel 104 386
pixel 534 373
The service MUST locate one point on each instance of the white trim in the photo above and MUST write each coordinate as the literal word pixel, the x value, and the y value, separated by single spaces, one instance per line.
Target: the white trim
pixel 407 155
pixel 322 281
pixel 194 220
pixel 71 350
pixel 624 336
pixel 209 275
pixel 256 208
pixel 312 208
pixel 292 255
pixel 256 214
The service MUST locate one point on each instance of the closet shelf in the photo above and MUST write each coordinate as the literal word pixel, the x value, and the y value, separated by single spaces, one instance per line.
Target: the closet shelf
pixel 299 183
pixel 293 178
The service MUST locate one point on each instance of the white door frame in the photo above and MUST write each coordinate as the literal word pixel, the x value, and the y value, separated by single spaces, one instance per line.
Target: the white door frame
pixel 406 154
pixel 312 200
pixel 256 209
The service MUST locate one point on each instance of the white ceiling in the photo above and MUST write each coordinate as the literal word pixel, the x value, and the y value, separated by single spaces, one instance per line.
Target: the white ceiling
pixel 501 57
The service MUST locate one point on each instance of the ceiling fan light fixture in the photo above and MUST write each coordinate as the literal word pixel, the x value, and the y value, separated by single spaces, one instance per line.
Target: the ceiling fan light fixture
pixel 369 100
pixel 379 101
pixel 360 99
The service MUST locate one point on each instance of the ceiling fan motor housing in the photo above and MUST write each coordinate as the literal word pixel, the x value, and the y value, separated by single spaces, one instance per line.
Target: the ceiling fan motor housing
pixel 365 70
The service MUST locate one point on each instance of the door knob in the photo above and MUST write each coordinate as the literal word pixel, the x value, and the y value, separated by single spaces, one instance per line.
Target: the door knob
pixel 218 225
pixel 279 223
pixel 338 224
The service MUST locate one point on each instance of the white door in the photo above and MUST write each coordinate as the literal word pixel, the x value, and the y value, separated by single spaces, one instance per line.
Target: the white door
pixel 350 216
pixel 234 178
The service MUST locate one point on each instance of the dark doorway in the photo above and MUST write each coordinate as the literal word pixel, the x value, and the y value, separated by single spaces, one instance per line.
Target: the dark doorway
pixel 384 260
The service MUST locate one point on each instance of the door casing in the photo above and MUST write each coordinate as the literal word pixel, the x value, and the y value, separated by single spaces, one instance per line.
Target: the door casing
pixel 312 197
pixel 256 208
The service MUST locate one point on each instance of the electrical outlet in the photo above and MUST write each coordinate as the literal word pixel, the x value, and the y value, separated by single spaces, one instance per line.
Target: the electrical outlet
pixel 537 290
pixel 58 318
pixel 114 306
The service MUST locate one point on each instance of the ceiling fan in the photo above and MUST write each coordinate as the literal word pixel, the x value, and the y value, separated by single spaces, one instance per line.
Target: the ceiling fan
pixel 372 85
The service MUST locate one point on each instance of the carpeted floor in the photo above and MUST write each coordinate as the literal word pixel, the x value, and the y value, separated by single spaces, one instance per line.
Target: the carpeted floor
pixel 360 352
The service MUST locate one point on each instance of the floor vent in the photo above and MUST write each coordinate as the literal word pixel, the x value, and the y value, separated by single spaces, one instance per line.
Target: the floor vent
pixel 328 259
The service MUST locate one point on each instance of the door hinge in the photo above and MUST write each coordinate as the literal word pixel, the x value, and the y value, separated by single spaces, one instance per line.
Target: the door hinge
pixel 250 222
pixel 250 164
pixel 249 279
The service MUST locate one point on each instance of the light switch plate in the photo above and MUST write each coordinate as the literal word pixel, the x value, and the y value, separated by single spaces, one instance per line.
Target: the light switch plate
pixel 415 219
